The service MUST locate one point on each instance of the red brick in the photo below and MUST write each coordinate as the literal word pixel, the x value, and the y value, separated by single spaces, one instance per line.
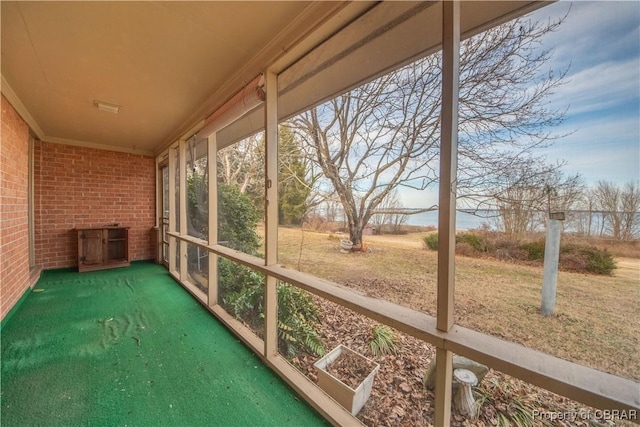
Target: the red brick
pixel 14 241
pixel 92 188
pixel 74 187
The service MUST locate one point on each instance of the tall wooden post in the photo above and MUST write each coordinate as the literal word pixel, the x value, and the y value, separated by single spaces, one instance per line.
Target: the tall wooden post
pixel 173 226
pixel 271 213
pixel 212 166
pixel 184 260
pixel 447 203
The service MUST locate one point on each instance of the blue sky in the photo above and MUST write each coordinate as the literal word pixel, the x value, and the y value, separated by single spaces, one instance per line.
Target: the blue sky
pixel 600 43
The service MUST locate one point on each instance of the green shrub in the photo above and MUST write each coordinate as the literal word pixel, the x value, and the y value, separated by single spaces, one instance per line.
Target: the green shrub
pixel 580 258
pixel 598 261
pixel 237 220
pixel 242 289
pixel 535 250
pixel 383 340
pixel 242 295
pixel 431 241
pixel 296 317
pixel 476 241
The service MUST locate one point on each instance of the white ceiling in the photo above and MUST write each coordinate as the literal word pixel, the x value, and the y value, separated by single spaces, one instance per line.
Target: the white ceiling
pixel 167 64
pixel 170 64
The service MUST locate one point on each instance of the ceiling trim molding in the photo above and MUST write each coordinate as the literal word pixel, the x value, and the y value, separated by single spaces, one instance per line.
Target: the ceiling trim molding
pixel 183 137
pixel 334 17
pixel 20 108
pixel 96 146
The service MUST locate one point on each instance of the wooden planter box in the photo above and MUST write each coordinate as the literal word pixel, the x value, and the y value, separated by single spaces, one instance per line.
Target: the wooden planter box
pixel 352 399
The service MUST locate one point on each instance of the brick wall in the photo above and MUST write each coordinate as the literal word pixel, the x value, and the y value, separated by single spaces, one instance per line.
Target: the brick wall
pixel 79 187
pixel 14 220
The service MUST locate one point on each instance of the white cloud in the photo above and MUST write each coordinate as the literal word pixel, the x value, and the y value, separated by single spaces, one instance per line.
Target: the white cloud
pixel 602 149
pixel 592 29
pixel 601 42
pixel 601 86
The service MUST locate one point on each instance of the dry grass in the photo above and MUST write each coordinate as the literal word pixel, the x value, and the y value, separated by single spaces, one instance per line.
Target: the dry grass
pixel 596 320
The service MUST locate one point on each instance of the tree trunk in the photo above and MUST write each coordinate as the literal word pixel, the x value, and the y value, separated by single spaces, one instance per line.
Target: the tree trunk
pixel 355 234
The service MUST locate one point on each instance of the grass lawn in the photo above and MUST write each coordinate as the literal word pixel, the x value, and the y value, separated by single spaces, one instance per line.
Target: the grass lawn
pixel 596 321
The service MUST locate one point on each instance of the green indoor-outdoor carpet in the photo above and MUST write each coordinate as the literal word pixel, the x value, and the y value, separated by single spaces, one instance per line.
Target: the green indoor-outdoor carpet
pixel 130 347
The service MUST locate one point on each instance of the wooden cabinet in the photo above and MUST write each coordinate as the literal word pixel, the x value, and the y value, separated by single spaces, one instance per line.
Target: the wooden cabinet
pixel 103 247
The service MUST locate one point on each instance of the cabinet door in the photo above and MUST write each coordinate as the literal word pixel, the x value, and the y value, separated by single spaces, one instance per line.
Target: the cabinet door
pixel 117 245
pixel 92 247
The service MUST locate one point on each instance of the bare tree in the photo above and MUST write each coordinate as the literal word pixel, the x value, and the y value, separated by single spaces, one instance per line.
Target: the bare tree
pixel 385 134
pixel 390 214
pixel 619 207
pixel 242 165
pixel 370 140
pixel 630 210
pixel 582 219
pixel 529 191
pixel 197 191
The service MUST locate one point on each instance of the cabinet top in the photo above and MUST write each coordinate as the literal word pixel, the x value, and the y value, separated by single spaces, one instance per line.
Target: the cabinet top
pixel 104 227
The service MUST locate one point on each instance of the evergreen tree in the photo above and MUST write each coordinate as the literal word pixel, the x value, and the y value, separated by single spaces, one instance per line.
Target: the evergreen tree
pixel 293 190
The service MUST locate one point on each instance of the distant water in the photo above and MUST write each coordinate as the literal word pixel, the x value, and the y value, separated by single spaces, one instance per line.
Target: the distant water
pixel 489 219
pixel 464 220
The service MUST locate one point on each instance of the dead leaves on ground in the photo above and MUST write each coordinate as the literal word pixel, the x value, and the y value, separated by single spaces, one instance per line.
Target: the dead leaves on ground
pixel 398 397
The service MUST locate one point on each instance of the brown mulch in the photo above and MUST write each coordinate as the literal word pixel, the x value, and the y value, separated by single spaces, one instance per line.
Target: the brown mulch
pixel 398 397
pixel 351 369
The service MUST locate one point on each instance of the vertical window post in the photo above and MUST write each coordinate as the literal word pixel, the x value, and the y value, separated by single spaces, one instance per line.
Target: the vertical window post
pixel 447 203
pixel 212 164
pixel 183 210
pixel 271 212
pixel 159 214
pixel 173 226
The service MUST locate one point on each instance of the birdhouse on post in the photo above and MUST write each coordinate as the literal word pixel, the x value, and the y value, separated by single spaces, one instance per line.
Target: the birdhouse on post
pixel 551 261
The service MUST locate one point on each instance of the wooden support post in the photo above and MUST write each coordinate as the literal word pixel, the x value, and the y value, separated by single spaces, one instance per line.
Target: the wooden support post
pixel 271 213
pixel 212 165
pixel 448 164
pixel 183 210
pixel 173 226
pixel 444 381
pixel 447 204
pixel 159 213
